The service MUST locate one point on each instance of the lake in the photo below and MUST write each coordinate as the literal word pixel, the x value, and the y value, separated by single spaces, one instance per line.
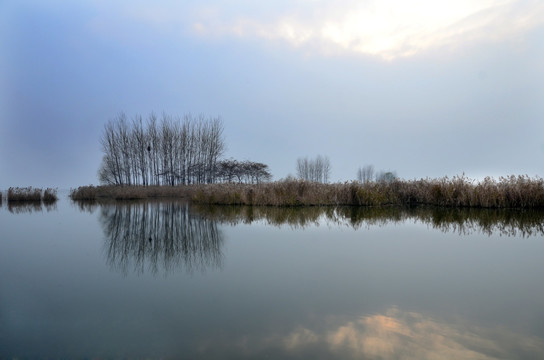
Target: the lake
pixel 165 279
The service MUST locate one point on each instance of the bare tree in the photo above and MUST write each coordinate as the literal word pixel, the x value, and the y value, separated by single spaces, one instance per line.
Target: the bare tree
pixel 317 170
pixel 365 174
pixel 243 172
pixel 174 151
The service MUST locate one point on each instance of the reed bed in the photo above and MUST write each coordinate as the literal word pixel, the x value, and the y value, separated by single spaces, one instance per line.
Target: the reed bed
pixel 91 193
pixel 459 191
pixel 50 195
pixel 24 194
pixel 29 194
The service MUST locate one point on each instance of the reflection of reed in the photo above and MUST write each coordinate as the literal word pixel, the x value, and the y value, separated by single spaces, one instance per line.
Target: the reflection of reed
pixel 86 205
pixel 460 220
pixel 164 235
pixel 17 207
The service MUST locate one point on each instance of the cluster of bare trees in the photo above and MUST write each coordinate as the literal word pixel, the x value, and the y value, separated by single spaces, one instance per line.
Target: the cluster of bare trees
pixel 168 151
pixel 317 170
pixel 366 174
pixel 242 171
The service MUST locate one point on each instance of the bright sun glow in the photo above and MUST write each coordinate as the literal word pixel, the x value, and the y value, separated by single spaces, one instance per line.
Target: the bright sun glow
pixel 388 28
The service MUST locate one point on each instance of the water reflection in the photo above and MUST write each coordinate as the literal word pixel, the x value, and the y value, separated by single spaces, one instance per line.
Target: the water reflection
pixel 22 207
pixel 392 334
pixel 463 221
pixel 154 236
pixel 397 334
pixel 88 206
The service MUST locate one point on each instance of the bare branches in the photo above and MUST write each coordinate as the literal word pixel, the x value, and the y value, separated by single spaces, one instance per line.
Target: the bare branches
pixel 365 174
pixel 316 170
pixel 171 151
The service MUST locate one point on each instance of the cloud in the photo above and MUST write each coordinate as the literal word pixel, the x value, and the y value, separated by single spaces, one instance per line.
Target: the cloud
pixel 387 29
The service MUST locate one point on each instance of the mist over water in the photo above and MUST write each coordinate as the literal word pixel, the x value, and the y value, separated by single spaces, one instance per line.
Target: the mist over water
pixel 166 279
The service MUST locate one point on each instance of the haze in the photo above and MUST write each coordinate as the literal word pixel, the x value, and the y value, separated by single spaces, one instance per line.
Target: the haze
pixel 424 88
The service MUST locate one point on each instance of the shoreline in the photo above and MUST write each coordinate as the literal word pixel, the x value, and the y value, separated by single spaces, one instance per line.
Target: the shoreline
pixel 520 192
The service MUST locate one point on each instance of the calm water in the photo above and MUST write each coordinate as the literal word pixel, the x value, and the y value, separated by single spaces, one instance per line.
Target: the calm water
pixel 167 280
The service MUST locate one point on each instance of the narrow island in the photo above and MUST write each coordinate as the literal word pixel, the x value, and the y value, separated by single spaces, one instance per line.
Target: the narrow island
pixel 181 157
pixel 30 194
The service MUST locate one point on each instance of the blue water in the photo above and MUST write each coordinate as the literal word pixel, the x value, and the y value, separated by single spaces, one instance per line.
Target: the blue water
pixel 168 280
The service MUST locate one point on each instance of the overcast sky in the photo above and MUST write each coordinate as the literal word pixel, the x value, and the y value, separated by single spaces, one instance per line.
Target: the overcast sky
pixel 425 88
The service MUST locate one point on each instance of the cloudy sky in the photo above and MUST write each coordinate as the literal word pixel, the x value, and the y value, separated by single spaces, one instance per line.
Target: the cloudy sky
pixel 425 88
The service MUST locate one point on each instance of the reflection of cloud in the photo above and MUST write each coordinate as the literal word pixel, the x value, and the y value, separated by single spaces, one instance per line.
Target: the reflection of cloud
pixel 408 335
pixel 395 334
pixel 301 337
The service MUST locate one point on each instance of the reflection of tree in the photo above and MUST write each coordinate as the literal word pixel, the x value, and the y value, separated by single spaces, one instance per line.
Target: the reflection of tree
pixel 463 221
pixel 162 234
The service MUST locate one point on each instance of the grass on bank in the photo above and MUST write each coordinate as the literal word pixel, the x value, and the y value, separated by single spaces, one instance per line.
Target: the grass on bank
pixel 507 192
pixel 29 194
pixel 91 193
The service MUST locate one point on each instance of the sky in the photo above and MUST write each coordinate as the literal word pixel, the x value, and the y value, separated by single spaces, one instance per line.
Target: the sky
pixel 424 88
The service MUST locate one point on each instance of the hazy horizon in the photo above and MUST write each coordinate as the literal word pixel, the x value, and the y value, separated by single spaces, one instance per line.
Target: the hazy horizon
pixel 425 89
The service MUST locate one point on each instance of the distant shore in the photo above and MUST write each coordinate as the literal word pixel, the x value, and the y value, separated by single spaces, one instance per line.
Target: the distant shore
pixel 459 191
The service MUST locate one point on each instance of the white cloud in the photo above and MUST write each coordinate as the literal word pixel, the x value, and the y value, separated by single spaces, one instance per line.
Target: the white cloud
pixel 388 29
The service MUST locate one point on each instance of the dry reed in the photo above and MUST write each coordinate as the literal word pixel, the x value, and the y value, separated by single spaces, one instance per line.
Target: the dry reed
pixel 129 192
pixel 24 194
pixel 459 191
pixel 29 194
pixel 50 195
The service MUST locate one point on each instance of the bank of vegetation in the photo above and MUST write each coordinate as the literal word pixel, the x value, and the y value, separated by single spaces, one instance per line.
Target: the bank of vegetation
pixel 459 191
pixel 507 192
pixel 29 194
pixel 134 192
pixel 182 157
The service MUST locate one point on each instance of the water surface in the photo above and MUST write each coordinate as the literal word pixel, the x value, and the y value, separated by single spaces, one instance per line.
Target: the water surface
pixel 170 280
